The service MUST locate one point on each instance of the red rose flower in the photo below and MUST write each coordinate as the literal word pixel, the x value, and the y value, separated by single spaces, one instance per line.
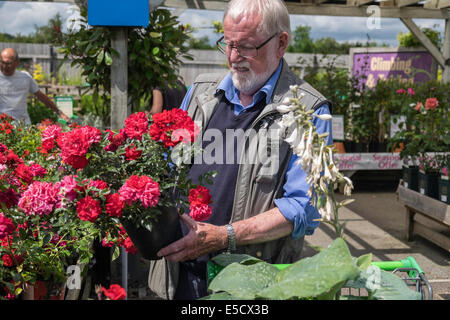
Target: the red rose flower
pixel 199 195
pixel 172 127
pixel 136 125
pixel 24 173
pixel 431 103
pixel 141 188
pixel 88 209
pixel 199 198
pixel 37 170
pixel 76 143
pixel 8 260
pixel 9 197
pixel 116 140
pixel 129 246
pixel 114 205
pixel 115 292
pixel 131 153
pixel 200 212
pixel 6 226
pixel 99 184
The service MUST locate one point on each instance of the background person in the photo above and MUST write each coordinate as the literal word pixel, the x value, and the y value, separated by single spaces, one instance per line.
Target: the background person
pixel 167 98
pixel 266 216
pixel 15 86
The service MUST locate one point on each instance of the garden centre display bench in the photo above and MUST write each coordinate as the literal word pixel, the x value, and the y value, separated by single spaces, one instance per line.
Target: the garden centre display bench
pixel 425 216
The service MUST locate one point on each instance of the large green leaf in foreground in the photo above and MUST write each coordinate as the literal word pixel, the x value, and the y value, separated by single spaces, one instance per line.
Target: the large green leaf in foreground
pixel 319 276
pixel 383 285
pixel 244 281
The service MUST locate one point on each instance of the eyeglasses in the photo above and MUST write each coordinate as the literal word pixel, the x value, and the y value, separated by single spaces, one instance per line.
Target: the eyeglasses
pixel 8 64
pixel 245 51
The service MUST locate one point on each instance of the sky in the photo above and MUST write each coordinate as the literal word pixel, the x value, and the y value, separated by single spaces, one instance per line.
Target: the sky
pixel 22 17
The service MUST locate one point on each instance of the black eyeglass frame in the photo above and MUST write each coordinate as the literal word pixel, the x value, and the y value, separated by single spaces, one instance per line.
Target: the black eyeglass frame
pixel 221 48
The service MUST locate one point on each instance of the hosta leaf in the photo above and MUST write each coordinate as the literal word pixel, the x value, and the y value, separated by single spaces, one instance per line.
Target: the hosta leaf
pixel 383 285
pixel 225 259
pixel 219 296
pixel 244 281
pixel 320 275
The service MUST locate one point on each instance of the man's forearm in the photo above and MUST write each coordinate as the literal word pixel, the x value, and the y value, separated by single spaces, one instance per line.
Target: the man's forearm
pixel 47 101
pixel 269 225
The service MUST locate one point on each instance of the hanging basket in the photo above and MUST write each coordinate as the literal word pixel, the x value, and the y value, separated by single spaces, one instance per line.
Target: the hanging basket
pixel 165 230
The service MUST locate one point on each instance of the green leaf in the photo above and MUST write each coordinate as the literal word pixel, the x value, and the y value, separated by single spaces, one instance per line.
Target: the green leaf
pixel 383 285
pixel 155 51
pixel 364 261
pixel 244 281
pixel 219 296
pixel 155 34
pixel 116 253
pixel 225 259
pixel 108 59
pixel 314 276
pixel 100 56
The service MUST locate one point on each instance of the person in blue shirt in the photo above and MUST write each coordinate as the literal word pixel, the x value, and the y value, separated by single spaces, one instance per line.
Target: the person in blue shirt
pixel 256 36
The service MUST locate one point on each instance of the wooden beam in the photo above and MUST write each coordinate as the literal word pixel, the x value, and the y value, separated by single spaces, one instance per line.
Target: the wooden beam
pixel 352 11
pixel 325 9
pixel 431 4
pixel 358 3
pixel 405 3
pixel 424 40
pixel 387 3
pixel 443 4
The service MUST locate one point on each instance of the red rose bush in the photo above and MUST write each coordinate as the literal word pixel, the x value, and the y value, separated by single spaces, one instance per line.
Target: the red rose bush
pixel 74 184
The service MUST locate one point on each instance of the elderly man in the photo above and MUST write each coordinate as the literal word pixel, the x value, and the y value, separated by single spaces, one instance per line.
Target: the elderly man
pixel 15 86
pixel 260 214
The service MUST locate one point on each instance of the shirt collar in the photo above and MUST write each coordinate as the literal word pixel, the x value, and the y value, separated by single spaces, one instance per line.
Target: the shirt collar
pixel 232 94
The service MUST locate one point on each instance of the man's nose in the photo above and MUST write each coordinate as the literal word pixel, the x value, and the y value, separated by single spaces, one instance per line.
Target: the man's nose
pixel 235 56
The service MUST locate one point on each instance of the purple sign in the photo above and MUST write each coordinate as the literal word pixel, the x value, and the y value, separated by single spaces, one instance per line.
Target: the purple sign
pixel 409 66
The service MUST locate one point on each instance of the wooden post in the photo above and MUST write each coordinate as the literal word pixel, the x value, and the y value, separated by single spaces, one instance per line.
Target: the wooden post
pixel 119 105
pixel 119 79
pixel 446 53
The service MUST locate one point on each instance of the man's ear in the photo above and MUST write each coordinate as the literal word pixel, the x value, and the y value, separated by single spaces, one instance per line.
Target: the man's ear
pixel 283 43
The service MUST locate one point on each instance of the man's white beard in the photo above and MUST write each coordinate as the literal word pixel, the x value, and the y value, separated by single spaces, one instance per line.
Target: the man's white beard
pixel 250 82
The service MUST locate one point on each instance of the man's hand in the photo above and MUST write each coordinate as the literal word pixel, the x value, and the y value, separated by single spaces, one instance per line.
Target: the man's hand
pixel 202 239
pixel 63 116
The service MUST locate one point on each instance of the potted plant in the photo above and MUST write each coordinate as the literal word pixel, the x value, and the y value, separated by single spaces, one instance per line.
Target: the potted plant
pixel 144 166
pixel 429 172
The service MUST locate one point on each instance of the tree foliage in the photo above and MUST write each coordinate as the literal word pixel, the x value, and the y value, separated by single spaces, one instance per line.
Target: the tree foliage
pixel 410 40
pixel 153 56
pixel 302 42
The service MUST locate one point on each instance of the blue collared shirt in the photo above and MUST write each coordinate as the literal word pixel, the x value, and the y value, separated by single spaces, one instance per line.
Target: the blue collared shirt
pixel 294 205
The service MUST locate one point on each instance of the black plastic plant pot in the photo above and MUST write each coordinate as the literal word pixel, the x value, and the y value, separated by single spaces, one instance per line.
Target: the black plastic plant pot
pixel 410 177
pixel 428 184
pixel 444 190
pixel 164 231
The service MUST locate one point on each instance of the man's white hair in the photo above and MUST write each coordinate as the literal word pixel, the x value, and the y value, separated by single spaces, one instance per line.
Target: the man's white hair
pixel 275 16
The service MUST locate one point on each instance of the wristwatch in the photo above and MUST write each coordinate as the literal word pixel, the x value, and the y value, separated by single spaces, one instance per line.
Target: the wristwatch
pixel 231 238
